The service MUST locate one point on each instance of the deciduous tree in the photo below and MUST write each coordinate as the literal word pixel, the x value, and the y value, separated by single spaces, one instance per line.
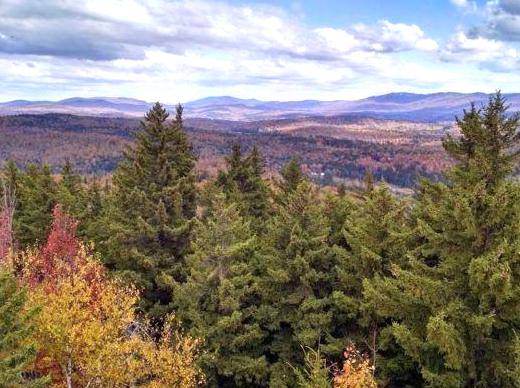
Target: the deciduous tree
pixel 87 331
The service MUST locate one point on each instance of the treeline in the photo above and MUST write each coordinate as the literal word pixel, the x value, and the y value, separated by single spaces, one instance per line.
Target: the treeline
pixel 253 282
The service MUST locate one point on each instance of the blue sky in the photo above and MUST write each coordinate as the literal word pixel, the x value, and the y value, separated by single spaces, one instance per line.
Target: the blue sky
pixel 273 50
pixel 433 15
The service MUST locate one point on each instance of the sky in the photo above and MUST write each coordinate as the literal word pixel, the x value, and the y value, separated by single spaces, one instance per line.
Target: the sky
pixel 178 51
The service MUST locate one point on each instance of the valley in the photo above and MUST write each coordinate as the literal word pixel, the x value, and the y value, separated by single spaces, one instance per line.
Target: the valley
pixel 332 150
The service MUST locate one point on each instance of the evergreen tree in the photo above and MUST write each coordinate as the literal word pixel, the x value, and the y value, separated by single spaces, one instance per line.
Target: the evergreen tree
pixel 292 176
pixel 69 179
pixel 342 189
pixel 299 283
pixel 152 207
pixel 242 183
pixel 456 302
pixel 488 148
pixel 369 181
pixel 315 373
pixel 337 209
pixel 36 197
pixel 375 237
pixel 256 162
pixel 220 299
pixel 16 354
pixel 91 224
pixel 71 195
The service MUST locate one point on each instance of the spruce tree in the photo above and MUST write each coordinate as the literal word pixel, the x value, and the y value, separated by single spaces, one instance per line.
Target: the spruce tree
pixel 152 207
pixel 292 176
pixel 488 148
pixel 456 302
pixel 91 223
pixel 375 235
pixel 315 373
pixel 243 184
pixel 72 196
pixel 220 299
pixel 35 197
pixel 299 283
pixel 69 179
pixel 337 208
pixel 369 181
pixel 16 354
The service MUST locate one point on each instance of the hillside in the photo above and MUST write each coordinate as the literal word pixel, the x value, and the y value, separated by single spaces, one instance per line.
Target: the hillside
pixel 396 106
pixel 331 149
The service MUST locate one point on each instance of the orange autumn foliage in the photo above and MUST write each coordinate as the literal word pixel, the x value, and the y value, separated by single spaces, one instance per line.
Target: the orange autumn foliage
pixel 356 372
pixel 87 332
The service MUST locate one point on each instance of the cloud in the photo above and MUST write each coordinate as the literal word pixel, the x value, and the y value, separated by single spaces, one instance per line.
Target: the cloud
pixel 460 3
pixel 467 6
pixel 180 50
pixel 390 37
pixel 492 44
pixel 490 54
pixel 510 6
pixel 115 29
pixel 502 20
pixel 463 47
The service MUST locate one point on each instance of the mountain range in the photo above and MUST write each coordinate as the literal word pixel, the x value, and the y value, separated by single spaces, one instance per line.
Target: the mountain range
pixel 435 107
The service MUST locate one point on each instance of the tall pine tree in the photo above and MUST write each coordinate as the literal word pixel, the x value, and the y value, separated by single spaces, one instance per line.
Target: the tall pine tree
pixel 292 176
pixel 375 236
pixel 151 213
pixel 72 195
pixel 298 284
pixel 35 198
pixel 220 300
pixel 456 302
pixel 243 184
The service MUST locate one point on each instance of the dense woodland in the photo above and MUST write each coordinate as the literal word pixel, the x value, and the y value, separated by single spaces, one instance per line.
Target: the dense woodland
pixel 157 279
pixel 94 145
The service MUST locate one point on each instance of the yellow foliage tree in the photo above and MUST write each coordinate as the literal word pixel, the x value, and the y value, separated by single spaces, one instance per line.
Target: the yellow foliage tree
pixel 89 335
pixel 357 371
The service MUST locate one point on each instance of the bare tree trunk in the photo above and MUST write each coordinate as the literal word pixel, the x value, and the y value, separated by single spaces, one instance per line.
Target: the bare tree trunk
pixel 374 349
pixel 68 373
pixel 372 346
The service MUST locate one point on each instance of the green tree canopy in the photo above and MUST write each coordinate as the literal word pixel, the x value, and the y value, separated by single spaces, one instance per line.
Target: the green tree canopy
pixel 243 184
pixel 150 217
pixel 220 299
pixel 16 355
pixel 292 176
pixel 455 304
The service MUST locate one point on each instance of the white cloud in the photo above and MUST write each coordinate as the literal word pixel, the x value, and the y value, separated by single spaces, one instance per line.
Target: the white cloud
pixel 502 20
pixel 463 47
pixel 387 36
pixel 488 53
pixel 180 50
pixel 466 5
pixel 460 3
pixel 113 29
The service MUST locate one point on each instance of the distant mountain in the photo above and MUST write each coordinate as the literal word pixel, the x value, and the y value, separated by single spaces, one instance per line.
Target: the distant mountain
pixel 225 100
pixel 97 106
pixel 398 106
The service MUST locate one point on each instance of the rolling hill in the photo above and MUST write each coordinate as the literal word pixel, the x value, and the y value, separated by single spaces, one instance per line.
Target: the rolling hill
pixel 434 107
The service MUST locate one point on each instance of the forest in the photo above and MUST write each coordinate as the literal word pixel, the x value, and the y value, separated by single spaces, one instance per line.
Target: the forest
pixel 161 277
pixel 94 145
